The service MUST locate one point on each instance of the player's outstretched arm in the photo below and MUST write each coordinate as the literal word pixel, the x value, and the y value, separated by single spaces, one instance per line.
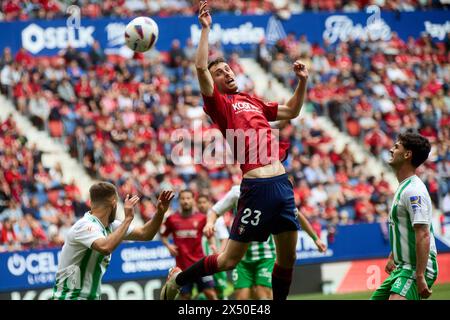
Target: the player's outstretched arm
pixel 422 233
pixel 293 107
pixel 148 231
pixel 201 58
pixel 107 245
pixel 304 223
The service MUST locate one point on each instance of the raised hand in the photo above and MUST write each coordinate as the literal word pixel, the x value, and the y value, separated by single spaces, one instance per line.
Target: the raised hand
pixel 300 70
pixel 129 205
pixel 164 201
pixel 203 15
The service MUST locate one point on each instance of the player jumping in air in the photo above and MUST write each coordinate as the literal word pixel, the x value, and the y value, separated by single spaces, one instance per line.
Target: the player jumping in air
pixel 412 264
pixel 87 250
pixel 266 204
pixel 253 272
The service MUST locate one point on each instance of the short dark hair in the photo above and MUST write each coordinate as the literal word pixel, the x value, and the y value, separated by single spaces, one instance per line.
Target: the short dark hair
pixel 186 190
pixel 102 192
pixel 202 195
pixel 417 144
pixel 216 61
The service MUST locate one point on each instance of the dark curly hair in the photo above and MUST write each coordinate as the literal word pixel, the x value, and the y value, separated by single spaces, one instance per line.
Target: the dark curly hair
pixel 417 144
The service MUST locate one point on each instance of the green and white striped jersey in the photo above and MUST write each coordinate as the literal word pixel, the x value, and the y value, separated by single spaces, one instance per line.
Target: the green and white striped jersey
pixel 411 205
pixel 256 250
pixel 81 268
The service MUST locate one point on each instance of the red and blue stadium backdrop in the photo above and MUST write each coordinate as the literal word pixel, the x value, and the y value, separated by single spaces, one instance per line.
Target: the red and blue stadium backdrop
pixel 146 260
pixel 234 31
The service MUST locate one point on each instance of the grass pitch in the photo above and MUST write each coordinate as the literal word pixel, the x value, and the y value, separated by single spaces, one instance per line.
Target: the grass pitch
pixel 440 292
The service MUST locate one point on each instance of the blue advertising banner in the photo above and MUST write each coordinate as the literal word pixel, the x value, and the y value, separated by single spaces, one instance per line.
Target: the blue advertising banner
pixel 37 268
pixel 146 260
pixel 353 242
pixel 233 31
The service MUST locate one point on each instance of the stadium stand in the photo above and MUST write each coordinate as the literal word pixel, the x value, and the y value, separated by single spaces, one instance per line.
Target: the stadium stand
pixel 116 115
pixel 51 9
pixel 36 207
pixel 374 89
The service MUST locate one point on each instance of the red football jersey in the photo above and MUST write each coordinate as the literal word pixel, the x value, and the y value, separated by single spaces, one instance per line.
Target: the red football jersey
pixel 240 111
pixel 187 236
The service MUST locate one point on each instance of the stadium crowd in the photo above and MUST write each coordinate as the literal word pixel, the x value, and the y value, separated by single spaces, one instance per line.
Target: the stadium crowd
pixel 50 9
pixel 117 115
pixel 36 207
pixel 375 89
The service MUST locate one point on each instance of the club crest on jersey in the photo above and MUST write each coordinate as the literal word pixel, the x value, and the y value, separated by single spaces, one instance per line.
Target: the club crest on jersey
pixel 416 202
pixel 241 229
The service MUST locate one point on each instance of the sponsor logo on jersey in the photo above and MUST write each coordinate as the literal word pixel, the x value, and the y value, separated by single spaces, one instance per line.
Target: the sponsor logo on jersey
pixel 244 107
pixel 398 283
pixel 186 233
pixel 416 202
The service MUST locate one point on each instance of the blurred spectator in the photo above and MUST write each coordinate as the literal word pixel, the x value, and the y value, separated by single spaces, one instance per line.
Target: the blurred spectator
pixel 96 54
pixel 24 180
pixel 50 9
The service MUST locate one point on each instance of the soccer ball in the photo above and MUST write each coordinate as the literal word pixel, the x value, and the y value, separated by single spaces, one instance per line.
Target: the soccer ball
pixel 141 34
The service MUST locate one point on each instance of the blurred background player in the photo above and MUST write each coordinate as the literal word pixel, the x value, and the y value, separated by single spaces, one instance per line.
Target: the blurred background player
pixel 186 228
pixel 215 244
pixel 266 204
pixel 252 276
pixel 87 250
pixel 412 264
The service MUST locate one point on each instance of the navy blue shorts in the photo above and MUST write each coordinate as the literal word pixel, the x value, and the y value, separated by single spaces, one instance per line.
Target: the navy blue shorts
pixel 266 206
pixel 203 283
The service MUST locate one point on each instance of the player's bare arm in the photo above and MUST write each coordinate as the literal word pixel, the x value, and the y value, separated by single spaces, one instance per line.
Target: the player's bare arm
pixel 304 223
pixel 107 245
pixel 201 59
pixel 148 231
pixel 293 107
pixel 210 228
pixel 212 244
pixel 422 234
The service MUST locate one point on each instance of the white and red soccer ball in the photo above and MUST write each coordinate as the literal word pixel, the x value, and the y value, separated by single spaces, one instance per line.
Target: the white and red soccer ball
pixel 141 34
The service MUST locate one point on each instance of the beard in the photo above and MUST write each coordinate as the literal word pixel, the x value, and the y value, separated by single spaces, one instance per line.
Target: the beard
pixel 186 210
pixel 112 215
